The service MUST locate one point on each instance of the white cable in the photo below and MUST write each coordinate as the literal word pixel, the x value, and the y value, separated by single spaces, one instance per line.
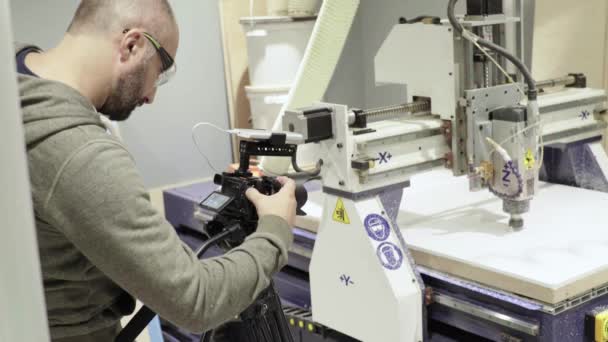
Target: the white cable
pixel 497 148
pixel 541 142
pixel 516 134
pixel 473 38
pixel 499 67
pixel 194 128
pixel 541 145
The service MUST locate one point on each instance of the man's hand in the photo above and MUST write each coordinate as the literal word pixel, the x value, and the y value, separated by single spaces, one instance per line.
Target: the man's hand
pixel 282 204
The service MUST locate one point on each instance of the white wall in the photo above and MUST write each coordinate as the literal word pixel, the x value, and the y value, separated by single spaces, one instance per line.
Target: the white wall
pixel 570 36
pixel 22 309
pixel 158 135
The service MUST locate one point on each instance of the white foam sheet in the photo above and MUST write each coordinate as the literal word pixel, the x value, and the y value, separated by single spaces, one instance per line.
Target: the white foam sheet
pixel 561 252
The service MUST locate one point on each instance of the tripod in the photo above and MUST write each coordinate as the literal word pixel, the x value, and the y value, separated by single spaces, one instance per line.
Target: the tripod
pixel 263 321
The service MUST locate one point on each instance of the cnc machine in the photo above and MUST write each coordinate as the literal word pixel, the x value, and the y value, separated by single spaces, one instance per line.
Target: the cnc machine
pixel 480 245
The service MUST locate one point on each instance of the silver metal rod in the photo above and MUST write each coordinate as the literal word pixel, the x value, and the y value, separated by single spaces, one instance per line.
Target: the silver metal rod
pixel 556 82
pixel 487 34
pixel 487 314
pixel 385 113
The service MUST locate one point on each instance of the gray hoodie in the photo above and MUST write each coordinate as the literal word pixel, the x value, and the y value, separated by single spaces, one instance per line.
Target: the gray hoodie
pixel 99 235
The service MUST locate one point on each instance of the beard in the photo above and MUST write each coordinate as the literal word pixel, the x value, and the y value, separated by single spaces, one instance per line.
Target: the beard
pixel 126 96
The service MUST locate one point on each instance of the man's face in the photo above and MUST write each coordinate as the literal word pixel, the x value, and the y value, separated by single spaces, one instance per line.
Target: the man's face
pixel 137 74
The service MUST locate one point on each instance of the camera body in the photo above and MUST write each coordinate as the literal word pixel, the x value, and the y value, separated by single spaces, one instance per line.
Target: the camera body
pixel 229 206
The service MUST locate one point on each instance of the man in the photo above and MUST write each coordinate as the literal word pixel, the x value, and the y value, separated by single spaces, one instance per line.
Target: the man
pixel 98 234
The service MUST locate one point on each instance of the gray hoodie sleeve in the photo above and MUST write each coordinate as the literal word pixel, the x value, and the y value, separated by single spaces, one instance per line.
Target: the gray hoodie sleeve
pixel 101 205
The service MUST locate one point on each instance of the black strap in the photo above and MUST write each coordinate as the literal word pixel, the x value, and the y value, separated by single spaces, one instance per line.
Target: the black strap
pixel 136 325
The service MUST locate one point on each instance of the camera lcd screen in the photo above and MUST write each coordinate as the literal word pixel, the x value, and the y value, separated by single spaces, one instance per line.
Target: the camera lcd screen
pixel 216 201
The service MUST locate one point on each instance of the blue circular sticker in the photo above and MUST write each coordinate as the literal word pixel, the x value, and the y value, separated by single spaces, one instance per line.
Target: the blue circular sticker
pixel 390 256
pixel 377 227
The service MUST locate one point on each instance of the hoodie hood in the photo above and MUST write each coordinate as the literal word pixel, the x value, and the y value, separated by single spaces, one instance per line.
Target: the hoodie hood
pixel 50 107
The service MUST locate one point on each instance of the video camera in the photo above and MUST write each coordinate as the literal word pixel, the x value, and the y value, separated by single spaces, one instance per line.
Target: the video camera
pixel 229 206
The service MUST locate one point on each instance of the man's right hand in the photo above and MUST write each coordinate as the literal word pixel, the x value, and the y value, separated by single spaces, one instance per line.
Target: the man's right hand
pixel 282 204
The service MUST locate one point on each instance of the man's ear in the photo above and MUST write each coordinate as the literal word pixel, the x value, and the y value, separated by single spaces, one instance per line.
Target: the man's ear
pixel 131 45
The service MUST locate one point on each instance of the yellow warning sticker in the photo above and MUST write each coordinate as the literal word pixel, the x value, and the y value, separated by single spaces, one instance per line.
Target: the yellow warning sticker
pixel 601 326
pixel 529 160
pixel 340 214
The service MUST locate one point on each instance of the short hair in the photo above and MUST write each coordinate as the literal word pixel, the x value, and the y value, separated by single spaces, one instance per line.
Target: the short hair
pixel 116 15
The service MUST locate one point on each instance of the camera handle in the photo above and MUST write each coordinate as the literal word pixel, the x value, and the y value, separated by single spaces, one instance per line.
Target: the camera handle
pixel 276 146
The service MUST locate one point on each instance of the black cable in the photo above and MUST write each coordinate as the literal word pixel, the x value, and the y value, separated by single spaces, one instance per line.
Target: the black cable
pixel 216 239
pixel 421 18
pixel 532 90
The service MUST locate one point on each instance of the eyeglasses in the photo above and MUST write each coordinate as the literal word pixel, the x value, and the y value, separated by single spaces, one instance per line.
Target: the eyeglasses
pixel 169 67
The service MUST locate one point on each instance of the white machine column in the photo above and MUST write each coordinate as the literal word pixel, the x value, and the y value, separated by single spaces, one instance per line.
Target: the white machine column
pixel 363 283
pixel 22 308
